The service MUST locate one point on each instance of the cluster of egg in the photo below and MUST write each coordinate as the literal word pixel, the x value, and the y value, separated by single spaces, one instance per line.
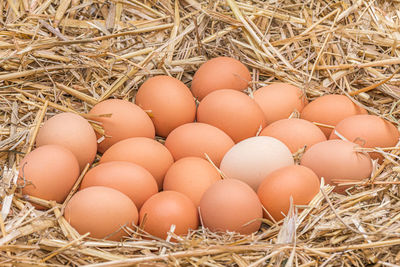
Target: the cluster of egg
pixel 249 139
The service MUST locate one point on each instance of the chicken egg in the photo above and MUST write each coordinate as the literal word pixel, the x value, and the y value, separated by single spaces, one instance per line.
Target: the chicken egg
pixel 368 131
pixel 338 161
pixel 146 152
pixel 127 120
pixel 197 139
pixel 191 176
pixel 101 211
pixel 295 133
pixel 72 132
pixel 279 100
pixel 131 179
pixel 254 158
pixel 169 101
pixel 329 110
pixel 48 172
pixel 233 112
pixel 168 208
pixel 220 73
pixel 295 181
pixel 231 205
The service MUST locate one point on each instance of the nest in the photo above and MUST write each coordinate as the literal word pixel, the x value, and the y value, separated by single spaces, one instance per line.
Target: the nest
pixel 67 55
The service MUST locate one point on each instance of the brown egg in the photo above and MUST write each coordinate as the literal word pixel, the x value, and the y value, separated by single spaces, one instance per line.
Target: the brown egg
pixel 295 133
pixel 127 120
pixel 338 161
pixel 368 131
pixel 102 211
pixel 48 172
pixel 295 181
pixel 131 179
pixel 279 100
pixel 72 132
pixel 170 102
pixel 146 152
pixel 231 205
pixel 254 158
pixel 168 208
pixel 220 73
pixel 330 110
pixel 197 139
pixel 233 112
pixel 191 176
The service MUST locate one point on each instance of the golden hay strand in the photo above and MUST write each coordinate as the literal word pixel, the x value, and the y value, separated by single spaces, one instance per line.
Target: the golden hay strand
pixel 66 55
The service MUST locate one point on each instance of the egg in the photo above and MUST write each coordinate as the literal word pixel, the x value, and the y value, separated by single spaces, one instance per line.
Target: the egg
pixel 129 178
pixel 146 152
pixel 102 212
pixel 72 132
pixel 220 73
pixel 169 101
pixel 231 205
pixel 330 110
pixel 48 172
pixel 368 131
pixel 233 112
pixel 127 120
pixel 197 139
pixel 168 208
pixel 338 161
pixel 279 100
pixel 191 176
pixel 254 158
pixel 295 181
pixel 295 133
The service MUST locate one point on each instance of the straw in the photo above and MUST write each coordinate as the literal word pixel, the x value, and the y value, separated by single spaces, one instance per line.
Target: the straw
pixel 68 55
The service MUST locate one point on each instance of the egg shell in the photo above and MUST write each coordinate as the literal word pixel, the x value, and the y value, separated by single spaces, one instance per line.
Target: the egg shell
pixel 146 152
pixel 254 158
pixel 48 172
pixel 127 120
pixel 295 181
pixel 165 209
pixel 295 133
pixel 191 176
pixel 131 179
pixel 330 110
pixel 102 211
pixel 197 139
pixel 233 112
pixel 169 101
pixel 368 131
pixel 338 161
pixel 72 132
pixel 279 100
pixel 220 73
pixel 231 205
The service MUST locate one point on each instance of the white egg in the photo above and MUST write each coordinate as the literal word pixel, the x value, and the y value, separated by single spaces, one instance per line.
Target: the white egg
pixel 252 159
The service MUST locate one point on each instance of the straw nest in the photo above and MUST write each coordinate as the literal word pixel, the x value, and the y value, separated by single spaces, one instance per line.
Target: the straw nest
pixel 67 55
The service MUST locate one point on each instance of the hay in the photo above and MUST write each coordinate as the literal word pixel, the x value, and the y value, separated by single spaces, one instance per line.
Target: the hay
pixel 66 55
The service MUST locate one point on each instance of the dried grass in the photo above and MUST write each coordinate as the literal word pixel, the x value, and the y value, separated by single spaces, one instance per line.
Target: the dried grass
pixel 66 55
